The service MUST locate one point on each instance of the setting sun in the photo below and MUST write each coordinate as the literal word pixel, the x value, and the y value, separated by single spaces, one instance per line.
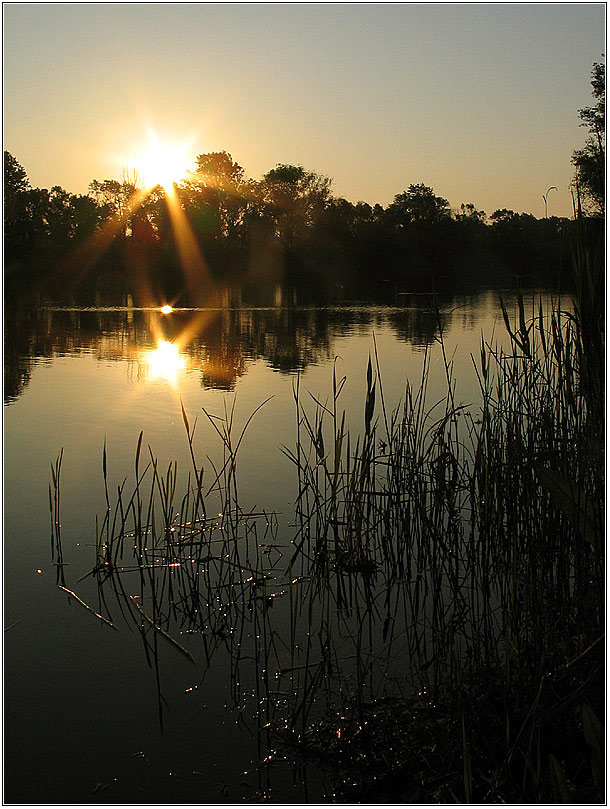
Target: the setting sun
pixel 162 163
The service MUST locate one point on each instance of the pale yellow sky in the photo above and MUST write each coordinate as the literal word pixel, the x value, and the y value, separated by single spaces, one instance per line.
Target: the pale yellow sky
pixel 478 101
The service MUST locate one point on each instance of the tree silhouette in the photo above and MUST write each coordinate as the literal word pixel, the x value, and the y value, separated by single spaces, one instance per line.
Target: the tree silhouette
pixel 218 170
pixel 418 204
pixel 285 227
pixel 16 186
pixel 220 183
pixel 116 198
pixel 15 178
pixel 469 213
pixel 590 161
pixel 294 199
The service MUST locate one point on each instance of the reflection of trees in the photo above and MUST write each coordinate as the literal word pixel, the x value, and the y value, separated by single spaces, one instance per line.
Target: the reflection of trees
pixel 415 324
pixel 217 349
pixel 416 321
pixel 18 351
pixel 219 342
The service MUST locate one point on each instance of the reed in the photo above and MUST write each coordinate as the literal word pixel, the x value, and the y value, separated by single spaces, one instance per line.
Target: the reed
pixel 466 551
pixel 434 630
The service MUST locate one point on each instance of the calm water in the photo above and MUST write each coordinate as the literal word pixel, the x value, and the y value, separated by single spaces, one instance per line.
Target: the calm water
pixel 82 718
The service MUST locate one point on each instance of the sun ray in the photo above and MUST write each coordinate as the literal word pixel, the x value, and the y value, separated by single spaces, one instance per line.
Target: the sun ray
pixel 200 285
pixel 80 261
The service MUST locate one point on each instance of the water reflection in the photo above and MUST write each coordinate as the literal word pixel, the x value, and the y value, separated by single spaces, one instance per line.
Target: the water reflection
pixel 220 341
pixel 165 361
pixel 232 600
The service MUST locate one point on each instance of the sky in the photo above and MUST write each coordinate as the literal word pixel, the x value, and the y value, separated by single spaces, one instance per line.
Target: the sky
pixel 478 101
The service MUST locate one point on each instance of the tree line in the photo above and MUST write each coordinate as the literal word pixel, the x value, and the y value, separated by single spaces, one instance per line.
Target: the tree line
pixel 286 226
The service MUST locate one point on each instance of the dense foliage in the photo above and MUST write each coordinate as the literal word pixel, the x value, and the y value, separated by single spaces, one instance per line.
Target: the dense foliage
pixel 286 226
pixel 590 161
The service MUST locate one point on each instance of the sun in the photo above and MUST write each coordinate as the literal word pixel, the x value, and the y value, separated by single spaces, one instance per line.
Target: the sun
pixel 162 163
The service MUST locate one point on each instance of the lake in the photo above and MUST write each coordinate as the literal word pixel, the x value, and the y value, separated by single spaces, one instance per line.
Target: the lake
pixel 119 715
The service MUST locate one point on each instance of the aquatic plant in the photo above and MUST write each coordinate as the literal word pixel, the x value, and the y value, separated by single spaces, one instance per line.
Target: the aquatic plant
pixel 434 628
pixel 472 537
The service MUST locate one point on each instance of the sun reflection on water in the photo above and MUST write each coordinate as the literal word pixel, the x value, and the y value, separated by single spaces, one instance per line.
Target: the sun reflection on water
pixel 165 361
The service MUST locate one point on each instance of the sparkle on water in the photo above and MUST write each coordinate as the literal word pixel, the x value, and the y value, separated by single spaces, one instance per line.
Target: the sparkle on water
pixel 165 361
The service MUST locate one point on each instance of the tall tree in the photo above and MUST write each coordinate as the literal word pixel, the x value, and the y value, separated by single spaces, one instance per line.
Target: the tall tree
pixel 418 204
pixel 218 170
pixel 16 184
pixel 295 198
pixel 469 213
pixel 590 161
pixel 15 178
pixel 218 187
pixel 117 198
pixel 26 225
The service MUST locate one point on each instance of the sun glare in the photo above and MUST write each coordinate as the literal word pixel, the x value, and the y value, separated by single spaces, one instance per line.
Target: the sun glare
pixel 165 361
pixel 167 309
pixel 162 163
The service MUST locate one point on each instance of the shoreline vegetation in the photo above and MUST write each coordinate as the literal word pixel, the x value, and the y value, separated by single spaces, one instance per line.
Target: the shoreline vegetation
pixel 218 227
pixel 438 630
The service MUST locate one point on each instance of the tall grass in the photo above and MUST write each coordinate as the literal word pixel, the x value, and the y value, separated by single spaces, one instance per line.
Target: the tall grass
pixel 470 544
pixel 435 629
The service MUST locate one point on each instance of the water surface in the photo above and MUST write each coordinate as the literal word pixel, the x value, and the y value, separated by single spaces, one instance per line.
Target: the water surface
pixel 82 715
